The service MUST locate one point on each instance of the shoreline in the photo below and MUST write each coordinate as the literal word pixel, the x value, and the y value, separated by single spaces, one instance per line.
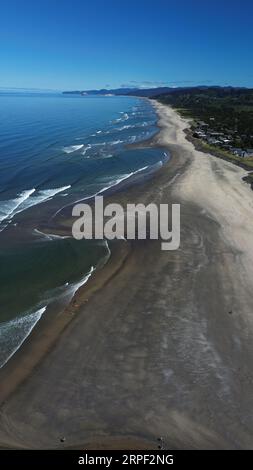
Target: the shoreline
pixel 56 229
pixel 41 340
pixel 33 348
pixel 114 366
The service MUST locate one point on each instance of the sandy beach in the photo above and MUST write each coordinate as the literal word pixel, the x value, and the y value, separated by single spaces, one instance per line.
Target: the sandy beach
pixel 157 343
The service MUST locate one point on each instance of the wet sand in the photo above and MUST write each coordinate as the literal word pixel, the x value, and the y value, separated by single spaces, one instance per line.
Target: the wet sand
pixel 161 342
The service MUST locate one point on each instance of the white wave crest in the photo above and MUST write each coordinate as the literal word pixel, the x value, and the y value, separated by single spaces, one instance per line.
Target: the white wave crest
pixel 14 332
pixel 72 148
pixel 124 117
pixel 127 126
pixel 86 148
pixel 112 183
pixel 116 142
pixel 7 208
pixel 50 236
pixel 25 200
pixel 67 291
pixel 39 197
pixel 120 179
pixel 73 288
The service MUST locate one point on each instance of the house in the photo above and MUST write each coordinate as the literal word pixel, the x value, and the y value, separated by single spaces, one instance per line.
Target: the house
pixel 249 152
pixel 216 134
pixel 213 141
pixel 202 124
pixel 239 152
pixel 226 141
pixel 199 134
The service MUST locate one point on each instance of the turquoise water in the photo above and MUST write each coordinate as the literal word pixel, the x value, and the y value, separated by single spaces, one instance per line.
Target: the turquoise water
pixel 55 150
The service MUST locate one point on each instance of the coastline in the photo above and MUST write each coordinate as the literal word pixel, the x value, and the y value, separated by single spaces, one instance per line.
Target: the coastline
pixel 120 359
pixel 31 222
pixel 52 324
pixel 40 340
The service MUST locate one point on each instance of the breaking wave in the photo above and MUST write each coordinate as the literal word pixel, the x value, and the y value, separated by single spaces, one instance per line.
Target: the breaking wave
pixel 25 200
pixel 14 332
pixel 72 148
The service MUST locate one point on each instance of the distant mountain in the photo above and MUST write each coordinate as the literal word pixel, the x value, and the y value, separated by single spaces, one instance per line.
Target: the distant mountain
pixel 76 92
pixel 149 92
pixel 159 91
pixel 103 91
pixel 122 91
pixel 202 89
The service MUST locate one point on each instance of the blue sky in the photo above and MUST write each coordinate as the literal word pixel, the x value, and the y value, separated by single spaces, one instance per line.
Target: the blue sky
pixel 82 44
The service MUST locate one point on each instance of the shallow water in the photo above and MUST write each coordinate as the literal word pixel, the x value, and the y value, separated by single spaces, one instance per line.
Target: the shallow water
pixel 54 150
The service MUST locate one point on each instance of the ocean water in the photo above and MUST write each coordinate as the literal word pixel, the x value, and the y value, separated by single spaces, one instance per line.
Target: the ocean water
pixel 54 150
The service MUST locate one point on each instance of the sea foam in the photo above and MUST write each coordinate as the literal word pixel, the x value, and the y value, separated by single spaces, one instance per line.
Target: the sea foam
pixel 25 200
pixel 72 148
pixel 14 332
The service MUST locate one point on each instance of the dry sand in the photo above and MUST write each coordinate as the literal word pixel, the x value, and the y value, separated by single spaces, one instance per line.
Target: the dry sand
pixel 217 187
pixel 162 346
